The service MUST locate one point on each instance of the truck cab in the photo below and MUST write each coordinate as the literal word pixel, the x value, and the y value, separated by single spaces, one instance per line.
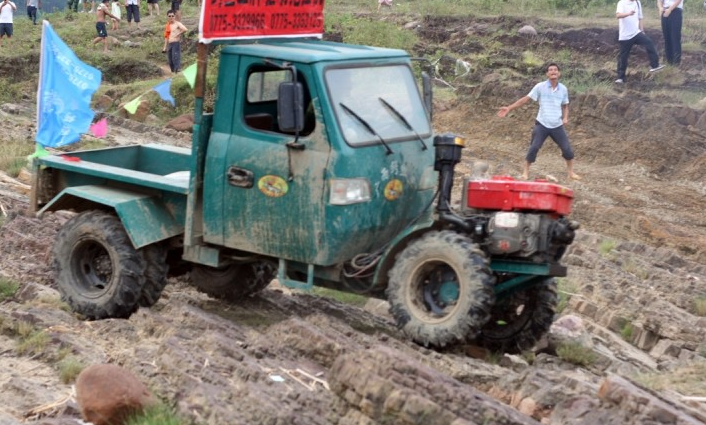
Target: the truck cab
pixel 355 174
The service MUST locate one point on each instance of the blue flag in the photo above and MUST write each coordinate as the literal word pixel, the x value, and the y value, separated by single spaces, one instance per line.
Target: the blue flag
pixel 163 89
pixel 64 94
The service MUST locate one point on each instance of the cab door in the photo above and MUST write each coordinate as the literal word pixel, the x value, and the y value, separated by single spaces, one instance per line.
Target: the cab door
pixel 272 193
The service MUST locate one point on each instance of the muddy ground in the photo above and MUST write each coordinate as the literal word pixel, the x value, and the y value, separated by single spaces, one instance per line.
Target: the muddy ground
pixel 294 358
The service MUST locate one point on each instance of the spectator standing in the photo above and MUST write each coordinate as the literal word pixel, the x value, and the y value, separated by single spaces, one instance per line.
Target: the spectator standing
pixel 176 8
pixel 386 3
pixel 101 13
pixel 7 11
pixel 671 13
pixel 153 6
pixel 117 13
pixel 32 6
pixel 132 8
pixel 73 4
pixel 172 41
pixel 553 99
pixel 631 32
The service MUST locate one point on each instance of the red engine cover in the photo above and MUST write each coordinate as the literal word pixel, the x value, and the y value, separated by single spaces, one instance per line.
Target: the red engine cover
pixel 506 194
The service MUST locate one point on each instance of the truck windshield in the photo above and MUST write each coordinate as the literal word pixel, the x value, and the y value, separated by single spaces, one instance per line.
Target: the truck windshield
pixel 360 90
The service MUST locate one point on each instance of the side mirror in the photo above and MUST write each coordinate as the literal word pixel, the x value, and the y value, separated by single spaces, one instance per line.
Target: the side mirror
pixel 427 93
pixel 290 107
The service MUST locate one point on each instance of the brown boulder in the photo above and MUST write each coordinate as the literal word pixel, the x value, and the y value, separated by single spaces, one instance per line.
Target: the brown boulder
pixel 108 394
pixel 182 123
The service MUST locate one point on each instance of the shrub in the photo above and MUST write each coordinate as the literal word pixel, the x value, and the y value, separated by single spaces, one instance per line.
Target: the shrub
pixel 576 353
pixel 160 414
pixel 69 368
pixel 8 288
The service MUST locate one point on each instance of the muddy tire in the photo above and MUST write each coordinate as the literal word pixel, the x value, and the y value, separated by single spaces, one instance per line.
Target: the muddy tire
pixel 440 289
pixel 156 269
pixel 519 320
pixel 233 282
pixel 98 272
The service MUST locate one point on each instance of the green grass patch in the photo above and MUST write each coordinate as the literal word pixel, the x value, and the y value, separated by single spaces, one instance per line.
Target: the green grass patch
pixel 32 341
pixel 698 306
pixel 13 155
pixel 157 415
pixel 688 378
pixel 69 369
pixel 576 353
pixel 606 247
pixel 340 296
pixel 627 332
pixel 565 288
pixel 8 288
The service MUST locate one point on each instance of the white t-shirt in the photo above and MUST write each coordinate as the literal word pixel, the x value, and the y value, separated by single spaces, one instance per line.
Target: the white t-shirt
pixel 629 26
pixel 7 12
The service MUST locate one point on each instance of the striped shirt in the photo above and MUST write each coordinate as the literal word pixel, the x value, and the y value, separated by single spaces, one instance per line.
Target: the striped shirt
pixel 550 102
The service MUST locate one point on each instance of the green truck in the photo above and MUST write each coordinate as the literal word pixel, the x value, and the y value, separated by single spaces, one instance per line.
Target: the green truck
pixel 318 166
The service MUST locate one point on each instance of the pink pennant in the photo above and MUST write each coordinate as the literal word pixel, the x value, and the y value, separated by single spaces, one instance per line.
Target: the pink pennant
pixel 99 129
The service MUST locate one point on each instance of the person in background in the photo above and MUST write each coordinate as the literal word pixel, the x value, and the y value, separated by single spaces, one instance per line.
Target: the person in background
pixel 132 8
pixel 117 13
pixel 386 3
pixel 671 13
pixel 153 6
pixel 172 41
pixel 553 99
pixel 176 8
pixel 101 13
pixel 7 11
pixel 32 6
pixel 631 32
pixel 73 4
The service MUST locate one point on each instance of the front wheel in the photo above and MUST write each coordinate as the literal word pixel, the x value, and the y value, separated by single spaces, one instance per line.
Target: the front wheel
pixel 235 281
pixel 440 289
pixel 520 319
pixel 98 271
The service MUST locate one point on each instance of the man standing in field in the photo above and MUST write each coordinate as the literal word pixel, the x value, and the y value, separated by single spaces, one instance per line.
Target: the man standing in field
pixel 32 6
pixel 172 41
pixel 553 99
pixel 7 11
pixel 631 32
pixel 101 12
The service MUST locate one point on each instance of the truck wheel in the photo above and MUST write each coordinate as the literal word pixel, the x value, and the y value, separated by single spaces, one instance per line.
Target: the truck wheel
pixel 235 281
pixel 99 273
pixel 156 269
pixel 519 320
pixel 440 289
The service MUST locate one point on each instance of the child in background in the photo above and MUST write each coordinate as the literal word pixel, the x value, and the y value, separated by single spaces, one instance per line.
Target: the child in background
pixel 115 10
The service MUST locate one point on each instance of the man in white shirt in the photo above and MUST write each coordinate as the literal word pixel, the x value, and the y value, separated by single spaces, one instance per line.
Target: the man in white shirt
pixel 631 32
pixel 7 11
pixel 671 13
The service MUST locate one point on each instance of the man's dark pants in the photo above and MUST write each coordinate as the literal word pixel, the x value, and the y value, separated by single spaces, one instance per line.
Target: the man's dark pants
pixel 671 30
pixel 625 47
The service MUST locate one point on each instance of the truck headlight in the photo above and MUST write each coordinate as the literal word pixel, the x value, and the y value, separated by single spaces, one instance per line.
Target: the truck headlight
pixel 349 191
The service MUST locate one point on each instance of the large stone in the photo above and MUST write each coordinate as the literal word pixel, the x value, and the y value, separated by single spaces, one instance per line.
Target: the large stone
pixel 108 394
pixel 182 123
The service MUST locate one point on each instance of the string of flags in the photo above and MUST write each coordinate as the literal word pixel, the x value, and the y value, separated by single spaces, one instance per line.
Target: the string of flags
pixel 163 89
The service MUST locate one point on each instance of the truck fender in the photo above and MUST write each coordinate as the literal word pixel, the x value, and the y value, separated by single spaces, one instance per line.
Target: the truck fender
pixel 387 259
pixel 146 218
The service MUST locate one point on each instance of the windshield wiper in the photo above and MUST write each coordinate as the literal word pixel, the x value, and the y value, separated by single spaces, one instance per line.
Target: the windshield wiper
pixel 367 126
pixel 404 121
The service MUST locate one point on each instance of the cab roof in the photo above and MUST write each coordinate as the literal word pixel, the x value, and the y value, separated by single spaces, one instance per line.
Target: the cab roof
pixel 311 51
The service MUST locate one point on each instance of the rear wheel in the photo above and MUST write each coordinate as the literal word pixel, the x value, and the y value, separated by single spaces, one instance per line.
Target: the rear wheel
pixel 156 269
pixel 98 272
pixel 440 289
pixel 235 281
pixel 520 319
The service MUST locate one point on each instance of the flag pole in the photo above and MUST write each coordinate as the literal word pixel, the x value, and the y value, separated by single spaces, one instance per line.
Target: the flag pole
pixel 39 150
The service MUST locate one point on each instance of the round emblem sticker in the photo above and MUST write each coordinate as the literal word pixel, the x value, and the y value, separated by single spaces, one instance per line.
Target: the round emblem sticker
pixel 273 186
pixel 393 190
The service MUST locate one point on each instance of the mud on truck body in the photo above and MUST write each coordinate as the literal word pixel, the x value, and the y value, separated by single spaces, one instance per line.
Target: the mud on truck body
pixel 317 166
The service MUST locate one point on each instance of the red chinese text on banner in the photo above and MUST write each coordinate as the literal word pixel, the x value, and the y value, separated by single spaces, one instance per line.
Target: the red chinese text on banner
pixel 243 19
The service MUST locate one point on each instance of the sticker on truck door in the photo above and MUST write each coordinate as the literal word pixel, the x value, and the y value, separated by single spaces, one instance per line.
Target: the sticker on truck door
pixel 273 186
pixel 393 190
